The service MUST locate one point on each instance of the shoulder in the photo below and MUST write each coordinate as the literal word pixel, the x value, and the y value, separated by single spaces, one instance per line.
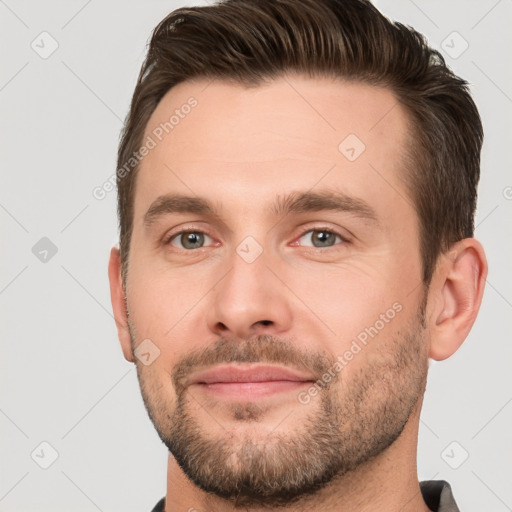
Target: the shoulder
pixel 438 496
pixel 160 506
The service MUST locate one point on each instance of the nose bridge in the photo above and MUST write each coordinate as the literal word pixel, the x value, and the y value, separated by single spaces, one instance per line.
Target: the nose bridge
pixel 249 298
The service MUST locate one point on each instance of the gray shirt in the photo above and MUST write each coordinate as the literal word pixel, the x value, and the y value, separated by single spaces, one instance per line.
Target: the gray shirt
pixel 438 496
pixel 436 493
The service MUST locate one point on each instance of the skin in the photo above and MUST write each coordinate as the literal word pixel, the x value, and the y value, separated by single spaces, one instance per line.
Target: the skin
pixel 241 148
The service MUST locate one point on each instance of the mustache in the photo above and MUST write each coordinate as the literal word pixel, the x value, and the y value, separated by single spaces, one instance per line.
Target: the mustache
pixel 259 349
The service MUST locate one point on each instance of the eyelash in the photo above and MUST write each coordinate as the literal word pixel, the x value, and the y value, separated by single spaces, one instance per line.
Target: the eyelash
pixel 321 229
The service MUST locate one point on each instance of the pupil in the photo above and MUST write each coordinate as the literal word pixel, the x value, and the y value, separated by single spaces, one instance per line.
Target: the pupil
pixel 324 238
pixel 192 240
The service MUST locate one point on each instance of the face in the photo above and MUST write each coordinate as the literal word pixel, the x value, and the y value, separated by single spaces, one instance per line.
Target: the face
pixel 275 276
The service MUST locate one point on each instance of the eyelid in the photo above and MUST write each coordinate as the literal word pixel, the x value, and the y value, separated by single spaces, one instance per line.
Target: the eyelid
pixel 168 237
pixel 344 237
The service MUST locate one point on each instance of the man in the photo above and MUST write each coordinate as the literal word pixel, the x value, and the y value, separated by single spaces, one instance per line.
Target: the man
pixel 297 185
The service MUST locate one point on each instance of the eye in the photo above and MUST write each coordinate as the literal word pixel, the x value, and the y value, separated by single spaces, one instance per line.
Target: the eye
pixel 319 238
pixel 189 240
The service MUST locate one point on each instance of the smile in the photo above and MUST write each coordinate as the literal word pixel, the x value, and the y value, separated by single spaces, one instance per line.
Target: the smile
pixel 249 381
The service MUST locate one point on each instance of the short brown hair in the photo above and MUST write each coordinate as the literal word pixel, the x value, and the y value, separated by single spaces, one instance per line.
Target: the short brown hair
pixel 252 41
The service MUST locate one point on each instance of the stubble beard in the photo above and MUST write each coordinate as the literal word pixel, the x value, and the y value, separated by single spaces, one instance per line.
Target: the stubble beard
pixel 350 422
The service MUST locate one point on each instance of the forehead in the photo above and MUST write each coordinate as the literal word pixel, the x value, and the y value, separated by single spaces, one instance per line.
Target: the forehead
pixel 216 137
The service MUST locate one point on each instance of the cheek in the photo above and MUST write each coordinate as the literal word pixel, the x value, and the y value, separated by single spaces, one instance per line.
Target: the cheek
pixel 157 389
pixel 346 298
pixel 159 301
pixel 358 305
pixel 161 307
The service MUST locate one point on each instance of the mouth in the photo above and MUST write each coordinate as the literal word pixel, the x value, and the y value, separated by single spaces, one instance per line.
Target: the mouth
pixel 249 381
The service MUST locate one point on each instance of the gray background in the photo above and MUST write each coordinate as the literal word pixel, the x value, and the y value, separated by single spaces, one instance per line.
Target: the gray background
pixel 64 380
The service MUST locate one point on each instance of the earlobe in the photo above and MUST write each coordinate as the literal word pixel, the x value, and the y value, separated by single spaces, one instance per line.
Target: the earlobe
pixel 117 297
pixel 458 285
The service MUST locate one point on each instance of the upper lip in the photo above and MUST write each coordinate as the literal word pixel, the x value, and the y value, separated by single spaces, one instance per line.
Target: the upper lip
pixel 248 373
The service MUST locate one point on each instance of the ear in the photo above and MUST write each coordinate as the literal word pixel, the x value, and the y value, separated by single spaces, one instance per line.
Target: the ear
pixel 458 287
pixel 117 297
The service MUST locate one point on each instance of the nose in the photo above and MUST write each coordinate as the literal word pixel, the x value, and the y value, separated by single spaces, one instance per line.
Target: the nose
pixel 250 300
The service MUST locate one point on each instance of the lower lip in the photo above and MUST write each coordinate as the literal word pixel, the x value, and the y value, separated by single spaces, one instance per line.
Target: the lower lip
pixel 250 390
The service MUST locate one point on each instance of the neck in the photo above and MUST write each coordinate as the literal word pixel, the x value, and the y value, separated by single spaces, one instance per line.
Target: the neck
pixel 386 483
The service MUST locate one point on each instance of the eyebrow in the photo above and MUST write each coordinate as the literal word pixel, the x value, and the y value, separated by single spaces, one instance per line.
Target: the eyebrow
pixel 295 202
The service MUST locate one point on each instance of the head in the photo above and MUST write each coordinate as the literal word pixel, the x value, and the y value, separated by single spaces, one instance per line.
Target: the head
pixel 266 124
